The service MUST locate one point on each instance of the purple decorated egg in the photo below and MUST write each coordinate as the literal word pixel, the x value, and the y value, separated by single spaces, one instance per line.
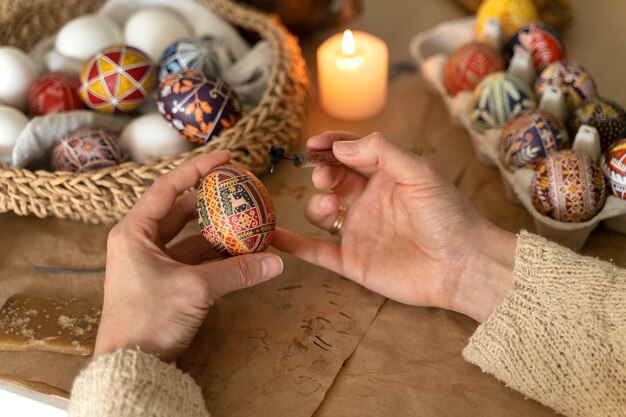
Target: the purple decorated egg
pixel 498 97
pixel 608 117
pixel 529 137
pixel 573 80
pixel 235 211
pixel 569 187
pixel 86 150
pixel 543 43
pixel 468 65
pixel 614 168
pixel 198 106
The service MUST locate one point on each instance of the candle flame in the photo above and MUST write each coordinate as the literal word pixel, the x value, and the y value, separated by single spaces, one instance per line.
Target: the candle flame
pixel 348 46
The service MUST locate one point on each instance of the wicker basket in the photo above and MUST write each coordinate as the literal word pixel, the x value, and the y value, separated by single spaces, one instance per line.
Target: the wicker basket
pixel 106 195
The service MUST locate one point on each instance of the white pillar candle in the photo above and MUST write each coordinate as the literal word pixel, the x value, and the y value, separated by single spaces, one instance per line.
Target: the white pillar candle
pixel 352 75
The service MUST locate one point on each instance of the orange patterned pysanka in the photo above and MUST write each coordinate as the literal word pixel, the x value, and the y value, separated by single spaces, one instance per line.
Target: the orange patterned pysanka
pixel 117 80
pixel 235 211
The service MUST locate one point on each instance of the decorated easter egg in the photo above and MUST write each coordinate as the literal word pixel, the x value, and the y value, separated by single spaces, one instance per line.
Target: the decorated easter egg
pixel 86 150
pixel 18 74
pixel 54 92
pixel 497 98
pixel 511 13
pixel 468 65
pixel 573 80
pixel 569 187
pixel 153 29
pixel 12 123
pixel 614 168
pixel 198 106
pixel 235 211
pixel 84 36
pixel 207 55
pixel 606 116
pixel 117 80
pixel 151 136
pixel 529 137
pixel 543 43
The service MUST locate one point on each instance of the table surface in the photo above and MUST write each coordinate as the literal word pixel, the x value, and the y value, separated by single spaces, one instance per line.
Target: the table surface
pixel 410 358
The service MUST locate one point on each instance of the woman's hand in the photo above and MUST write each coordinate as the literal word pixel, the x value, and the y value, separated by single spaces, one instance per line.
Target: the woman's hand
pixel 156 297
pixel 408 234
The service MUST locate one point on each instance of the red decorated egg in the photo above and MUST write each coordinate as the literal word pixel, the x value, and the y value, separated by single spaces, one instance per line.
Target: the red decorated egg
pixel 529 137
pixel 117 80
pixel 614 168
pixel 573 80
pixel 54 92
pixel 569 187
pixel 199 106
pixel 538 38
pixel 86 150
pixel 468 65
pixel 235 211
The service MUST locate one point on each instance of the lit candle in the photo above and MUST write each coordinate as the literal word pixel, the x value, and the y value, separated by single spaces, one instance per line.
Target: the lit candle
pixel 352 73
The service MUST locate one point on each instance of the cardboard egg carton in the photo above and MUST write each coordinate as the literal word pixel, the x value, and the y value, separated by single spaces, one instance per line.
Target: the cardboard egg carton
pixel 431 49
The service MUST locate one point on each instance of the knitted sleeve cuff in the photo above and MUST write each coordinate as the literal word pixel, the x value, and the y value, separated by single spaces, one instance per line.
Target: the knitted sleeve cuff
pixel 559 336
pixel 129 383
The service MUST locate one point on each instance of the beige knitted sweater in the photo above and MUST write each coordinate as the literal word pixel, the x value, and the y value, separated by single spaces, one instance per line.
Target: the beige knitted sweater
pixel 559 337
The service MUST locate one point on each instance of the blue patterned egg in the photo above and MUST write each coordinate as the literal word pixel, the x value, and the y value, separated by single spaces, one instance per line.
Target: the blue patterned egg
pixel 529 137
pixel 86 150
pixel 200 107
pixel 497 98
pixel 210 56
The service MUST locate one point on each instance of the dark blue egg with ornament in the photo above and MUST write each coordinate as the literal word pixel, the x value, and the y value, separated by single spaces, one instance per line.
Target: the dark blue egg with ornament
pixel 210 56
pixel 200 107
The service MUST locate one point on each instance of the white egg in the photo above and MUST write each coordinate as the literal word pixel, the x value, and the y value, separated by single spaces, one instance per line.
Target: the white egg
pixel 153 30
pixel 151 136
pixel 17 74
pixel 83 37
pixel 12 122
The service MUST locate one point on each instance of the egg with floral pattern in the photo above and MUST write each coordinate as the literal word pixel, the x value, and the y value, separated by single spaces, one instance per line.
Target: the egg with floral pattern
pixel 210 56
pixel 568 186
pixel 538 38
pixel 235 211
pixel 614 168
pixel 54 92
pixel 468 65
pixel 608 117
pixel 198 106
pixel 497 98
pixel 86 150
pixel 529 137
pixel 573 80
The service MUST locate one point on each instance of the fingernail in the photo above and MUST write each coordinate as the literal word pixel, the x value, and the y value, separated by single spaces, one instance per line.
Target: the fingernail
pixel 312 139
pixel 345 147
pixel 271 266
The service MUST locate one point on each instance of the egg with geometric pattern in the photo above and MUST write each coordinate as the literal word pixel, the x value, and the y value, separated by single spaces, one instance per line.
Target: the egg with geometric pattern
pixel 54 92
pixel 614 168
pixel 235 211
pixel 608 117
pixel 210 56
pixel 87 150
pixel 497 98
pixel 573 80
pixel 568 186
pixel 468 65
pixel 530 136
pixel 538 38
pixel 200 107
pixel 117 80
